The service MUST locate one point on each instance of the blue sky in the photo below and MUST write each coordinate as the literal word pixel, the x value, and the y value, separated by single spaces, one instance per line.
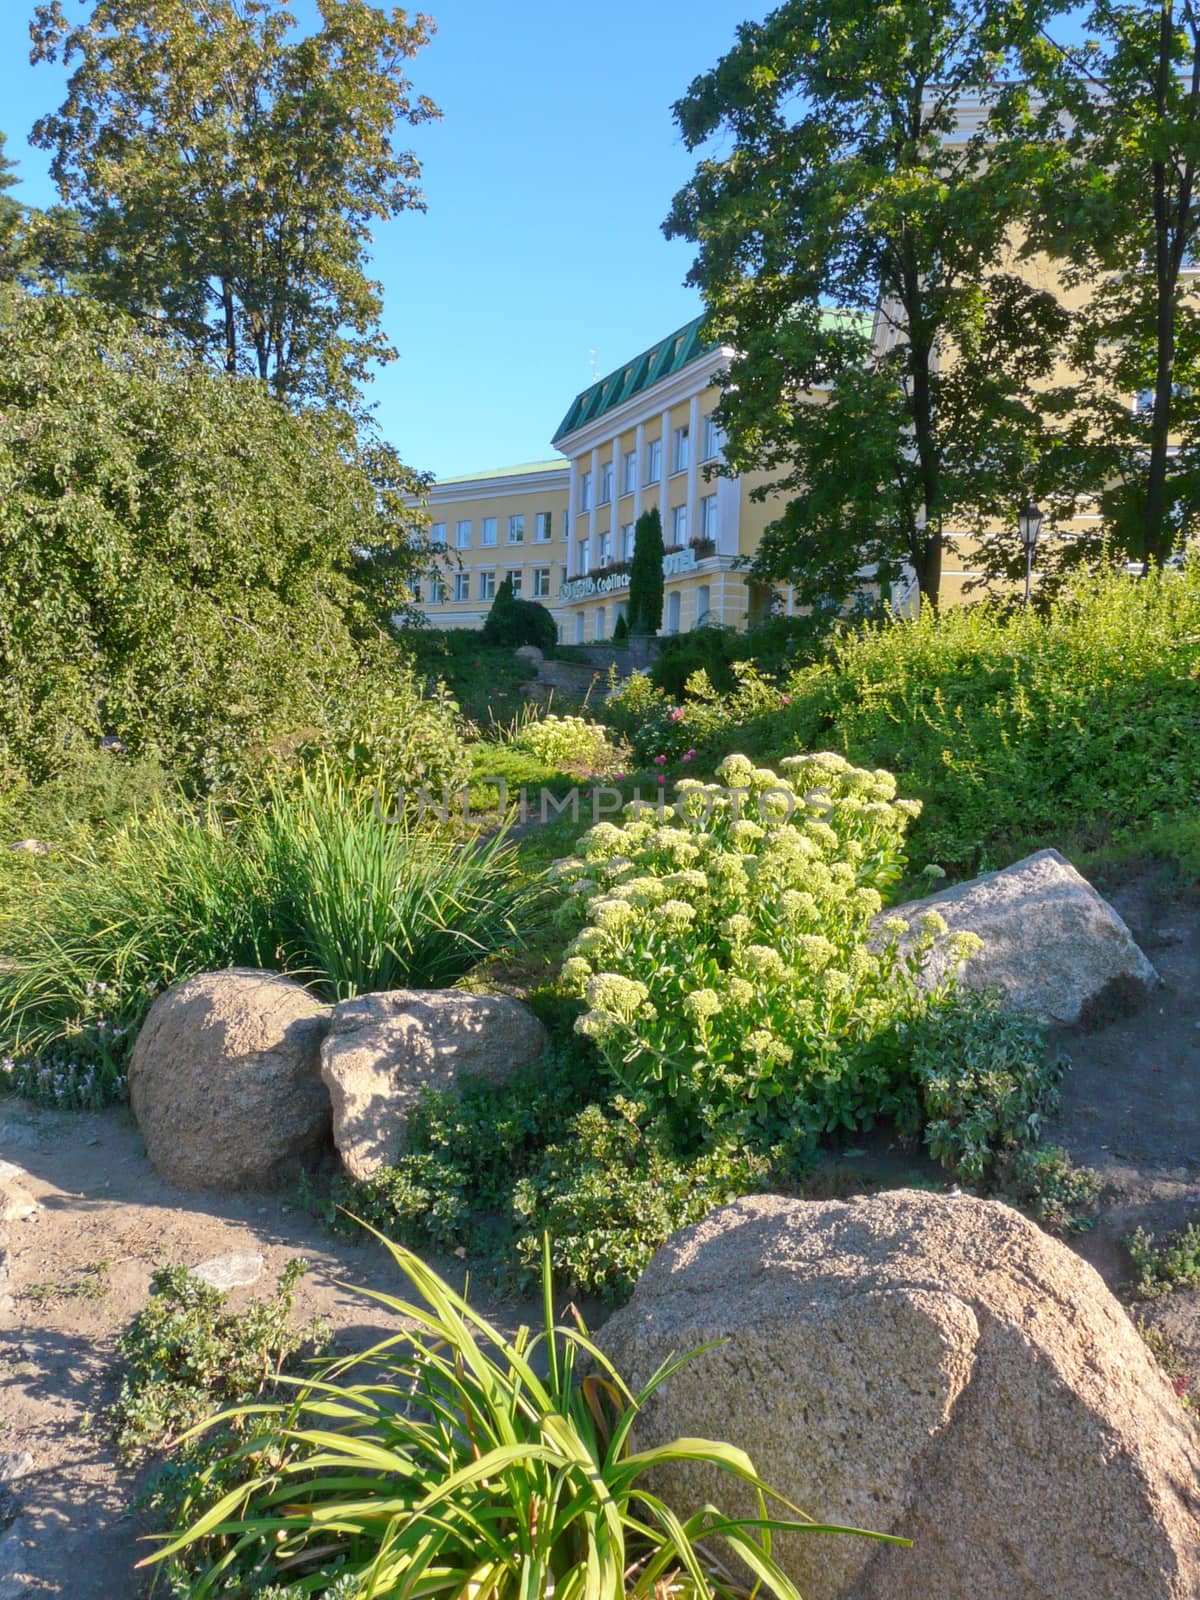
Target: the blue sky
pixel 546 183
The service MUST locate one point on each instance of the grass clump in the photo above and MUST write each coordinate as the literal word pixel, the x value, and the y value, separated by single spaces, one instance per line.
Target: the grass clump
pixel 450 1460
pixel 185 1355
pixel 1164 1267
pixel 307 879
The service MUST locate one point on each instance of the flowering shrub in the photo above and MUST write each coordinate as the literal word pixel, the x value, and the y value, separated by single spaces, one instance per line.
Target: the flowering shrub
pixel 726 961
pixel 656 725
pixel 566 742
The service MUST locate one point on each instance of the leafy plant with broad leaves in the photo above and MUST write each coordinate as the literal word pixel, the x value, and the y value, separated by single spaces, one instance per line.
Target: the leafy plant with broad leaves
pixel 443 1463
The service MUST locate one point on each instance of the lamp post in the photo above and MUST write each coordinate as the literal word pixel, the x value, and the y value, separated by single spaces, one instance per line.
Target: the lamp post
pixel 1029 525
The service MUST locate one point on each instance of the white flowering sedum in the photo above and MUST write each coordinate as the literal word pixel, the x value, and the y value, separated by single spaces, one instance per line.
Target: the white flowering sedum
pixel 566 742
pixel 725 960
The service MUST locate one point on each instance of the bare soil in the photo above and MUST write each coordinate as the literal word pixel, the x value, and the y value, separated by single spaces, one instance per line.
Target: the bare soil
pixel 80 1266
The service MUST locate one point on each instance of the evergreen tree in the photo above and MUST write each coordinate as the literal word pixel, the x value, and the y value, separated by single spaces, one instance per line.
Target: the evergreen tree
pixel 646 575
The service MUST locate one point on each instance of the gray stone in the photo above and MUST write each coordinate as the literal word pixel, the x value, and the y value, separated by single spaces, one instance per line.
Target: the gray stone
pixel 225 1080
pixel 529 652
pixel 384 1050
pixel 232 1271
pixel 15 1464
pixel 930 1367
pixel 1051 944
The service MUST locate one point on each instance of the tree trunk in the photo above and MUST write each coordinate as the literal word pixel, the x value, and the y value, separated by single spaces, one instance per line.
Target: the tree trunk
pixel 1156 540
pixel 230 328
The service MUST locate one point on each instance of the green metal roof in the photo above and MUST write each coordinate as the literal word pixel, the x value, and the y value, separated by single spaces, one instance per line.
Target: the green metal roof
pixel 668 356
pixel 663 360
pixel 557 465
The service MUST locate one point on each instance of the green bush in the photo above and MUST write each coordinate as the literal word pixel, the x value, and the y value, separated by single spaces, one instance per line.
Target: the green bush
pixel 305 878
pixel 512 622
pixel 185 1355
pixel 180 553
pixel 1164 1267
pixel 444 1464
pixel 646 575
pixel 92 792
pixel 773 647
pixel 660 730
pixel 982 1086
pixel 566 742
pixel 612 1192
pixel 727 963
pixel 1015 727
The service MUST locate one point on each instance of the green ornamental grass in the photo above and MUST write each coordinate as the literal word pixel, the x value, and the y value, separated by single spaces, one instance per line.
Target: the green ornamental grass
pixel 452 1462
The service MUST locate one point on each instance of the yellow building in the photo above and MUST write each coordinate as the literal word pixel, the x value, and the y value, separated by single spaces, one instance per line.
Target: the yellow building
pixel 511 523
pixel 644 435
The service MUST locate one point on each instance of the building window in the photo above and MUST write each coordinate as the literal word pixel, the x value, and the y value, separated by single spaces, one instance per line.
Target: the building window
pixel 462 585
pixel 514 577
pixel 437 534
pixel 487 536
pixel 463 535
pixel 541 583
pixel 678 525
pixel 584 549
pixel 579 627
pixel 673 607
pixel 703 605
pixel 417 592
pixel 585 492
pixel 606 483
pixel 629 472
pixel 487 585
pixel 654 461
pixel 605 549
pixel 708 517
pixel 543 527
pixel 437 592
pixel 600 635
pixel 627 542
pixel 712 441
pixel 516 530
pixel 679 450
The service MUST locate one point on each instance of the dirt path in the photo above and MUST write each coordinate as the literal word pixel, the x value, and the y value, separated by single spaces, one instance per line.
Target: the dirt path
pixel 104 1222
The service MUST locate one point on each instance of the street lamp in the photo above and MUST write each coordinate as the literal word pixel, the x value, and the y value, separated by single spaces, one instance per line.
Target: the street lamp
pixel 1029 525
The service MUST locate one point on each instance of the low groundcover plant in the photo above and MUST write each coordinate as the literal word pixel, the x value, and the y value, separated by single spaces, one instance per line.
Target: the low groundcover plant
pixel 442 1463
pixel 732 976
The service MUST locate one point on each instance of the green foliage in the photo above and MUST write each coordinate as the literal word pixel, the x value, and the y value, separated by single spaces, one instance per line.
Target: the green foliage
pixel 1162 1268
pixel 566 743
pixel 490 1475
pixel 304 878
pixel 621 630
pixel 1014 727
pixel 246 227
pixel 844 179
pixel 612 1192
pixel 511 622
pixel 92 792
pixel 177 549
pixel 727 963
pixel 185 1355
pixel 393 737
pixel 1047 1183
pixel 484 680
pixel 770 647
pixel 660 731
pixel 983 1086
pixel 646 575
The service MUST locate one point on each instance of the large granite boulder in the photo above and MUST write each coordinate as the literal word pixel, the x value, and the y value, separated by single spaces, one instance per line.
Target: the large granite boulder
pixel 384 1050
pixel 929 1366
pixel 1051 944
pixel 225 1080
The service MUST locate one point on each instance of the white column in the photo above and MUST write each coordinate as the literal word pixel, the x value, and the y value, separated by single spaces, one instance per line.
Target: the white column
pixel 640 447
pixel 614 521
pixel 693 480
pixel 572 504
pixel 665 474
pixel 594 519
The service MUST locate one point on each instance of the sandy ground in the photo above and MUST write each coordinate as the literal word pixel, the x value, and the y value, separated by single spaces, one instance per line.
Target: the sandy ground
pixel 80 1266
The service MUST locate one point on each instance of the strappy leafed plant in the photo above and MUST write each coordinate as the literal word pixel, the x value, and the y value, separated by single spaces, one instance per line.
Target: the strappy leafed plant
pixel 451 1463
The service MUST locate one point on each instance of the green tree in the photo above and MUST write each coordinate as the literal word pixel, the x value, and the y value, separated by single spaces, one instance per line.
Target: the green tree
pixel 229 174
pixel 1116 125
pixel 180 553
pixel 845 176
pixel 646 575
